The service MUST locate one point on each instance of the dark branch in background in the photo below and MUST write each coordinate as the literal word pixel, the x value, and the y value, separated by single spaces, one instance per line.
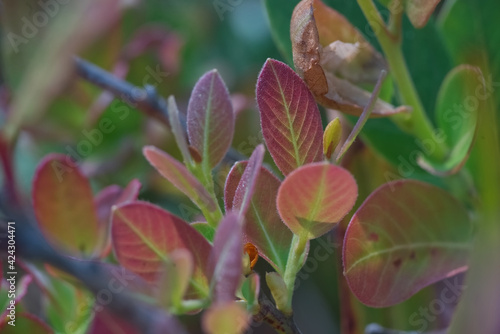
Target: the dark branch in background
pixel 32 246
pixel 144 99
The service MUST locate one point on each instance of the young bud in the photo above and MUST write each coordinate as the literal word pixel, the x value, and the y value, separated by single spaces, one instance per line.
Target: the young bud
pixel 331 137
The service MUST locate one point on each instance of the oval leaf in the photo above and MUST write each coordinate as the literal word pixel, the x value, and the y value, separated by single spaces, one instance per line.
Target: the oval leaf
pixel 64 205
pixel 144 235
pixel 405 236
pixel 289 117
pixel 315 197
pixel 457 116
pixel 263 226
pixel 210 119
pixel 180 176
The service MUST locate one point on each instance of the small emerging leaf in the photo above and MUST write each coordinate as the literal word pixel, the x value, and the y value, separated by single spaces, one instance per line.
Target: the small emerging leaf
pixel 405 236
pixel 64 205
pixel 315 197
pixel 331 137
pixel 250 290
pixel 210 119
pixel 278 289
pixel 289 117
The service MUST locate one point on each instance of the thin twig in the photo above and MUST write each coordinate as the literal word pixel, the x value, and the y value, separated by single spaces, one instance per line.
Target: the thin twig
pixel 364 116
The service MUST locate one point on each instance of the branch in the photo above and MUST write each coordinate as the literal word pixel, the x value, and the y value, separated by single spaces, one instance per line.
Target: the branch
pixel 144 99
pixel 275 318
pixel 32 246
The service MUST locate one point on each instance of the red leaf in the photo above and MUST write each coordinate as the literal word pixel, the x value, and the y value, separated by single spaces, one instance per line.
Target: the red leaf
pixel 144 235
pixel 405 236
pixel 180 176
pixel 64 205
pixel 210 119
pixel 26 323
pixel 315 197
pixel 290 118
pixel 263 226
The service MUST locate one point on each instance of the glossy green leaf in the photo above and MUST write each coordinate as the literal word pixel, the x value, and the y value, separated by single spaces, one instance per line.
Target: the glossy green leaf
pixel 289 117
pixel 263 226
pixel 64 205
pixel 313 198
pixel 457 114
pixel 405 236
pixel 180 176
pixel 210 119
pixel 144 235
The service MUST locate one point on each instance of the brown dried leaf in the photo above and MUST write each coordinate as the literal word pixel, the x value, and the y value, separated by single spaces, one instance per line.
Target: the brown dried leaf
pixel 332 57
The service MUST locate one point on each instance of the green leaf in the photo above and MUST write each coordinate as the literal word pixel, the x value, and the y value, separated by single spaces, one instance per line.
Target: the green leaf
pixel 313 198
pixel 26 323
pixel 279 14
pixel 457 114
pixel 405 236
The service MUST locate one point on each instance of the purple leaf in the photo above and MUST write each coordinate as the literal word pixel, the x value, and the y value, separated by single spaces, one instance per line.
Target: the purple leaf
pixel 210 119
pixel 226 258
